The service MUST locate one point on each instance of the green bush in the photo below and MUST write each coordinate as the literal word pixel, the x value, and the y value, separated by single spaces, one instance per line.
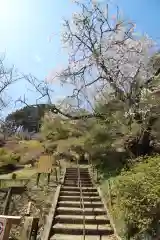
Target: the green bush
pixel 4 158
pixel 50 147
pixel 67 155
pixel 138 198
pixel 14 157
pixel 54 128
pixel 7 157
pixel 2 151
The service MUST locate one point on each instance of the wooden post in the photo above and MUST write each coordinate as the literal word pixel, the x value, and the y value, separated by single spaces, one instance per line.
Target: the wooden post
pixel 59 175
pixel 109 193
pixel 7 201
pixel 30 228
pixel 38 177
pixel 29 209
pixel 92 169
pixel 88 161
pixel 55 169
pixel 35 228
pixel 60 168
pixel 5 229
pixel 6 224
pixel 96 175
pixel 48 178
pixel 59 164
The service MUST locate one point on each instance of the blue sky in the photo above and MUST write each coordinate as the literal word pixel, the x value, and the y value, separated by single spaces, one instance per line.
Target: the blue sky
pixel 30 36
pixel 145 13
pixel 26 25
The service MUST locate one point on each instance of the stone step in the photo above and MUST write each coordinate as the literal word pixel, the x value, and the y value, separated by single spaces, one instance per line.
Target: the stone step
pixel 85 174
pixel 77 229
pixel 75 168
pixel 70 219
pixel 76 181
pixel 72 193
pixel 80 237
pixel 77 172
pixel 77 189
pixel 77 198
pixel 79 211
pixel 76 178
pixel 76 184
pixel 75 175
pixel 78 204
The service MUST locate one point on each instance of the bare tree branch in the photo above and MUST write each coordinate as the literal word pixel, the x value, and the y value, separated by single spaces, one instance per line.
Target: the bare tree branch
pixel 40 86
pixel 104 57
pixel 104 53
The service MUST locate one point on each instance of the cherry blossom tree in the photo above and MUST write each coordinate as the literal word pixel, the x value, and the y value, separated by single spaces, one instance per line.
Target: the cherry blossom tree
pixel 104 55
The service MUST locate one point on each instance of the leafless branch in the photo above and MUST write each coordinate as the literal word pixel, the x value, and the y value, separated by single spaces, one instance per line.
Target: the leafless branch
pixel 23 101
pixel 104 56
pixel 103 52
pixel 41 87
pixel 8 76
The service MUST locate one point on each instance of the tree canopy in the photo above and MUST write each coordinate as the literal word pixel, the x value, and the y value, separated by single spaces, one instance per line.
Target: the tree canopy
pixel 28 117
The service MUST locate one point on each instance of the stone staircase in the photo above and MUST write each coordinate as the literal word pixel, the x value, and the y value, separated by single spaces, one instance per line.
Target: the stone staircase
pixel 68 222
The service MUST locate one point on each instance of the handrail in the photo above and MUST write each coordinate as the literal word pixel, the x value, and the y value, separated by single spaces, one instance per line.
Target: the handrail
pixel 81 199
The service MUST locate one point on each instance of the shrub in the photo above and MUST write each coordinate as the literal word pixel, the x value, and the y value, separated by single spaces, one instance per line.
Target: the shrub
pixel 4 156
pixel 138 197
pixel 54 128
pixel 14 157
pixel 2 151
pixel 14 176
pixel 50 147
pixel 67 155
pixel 7 157
pixel 31 143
